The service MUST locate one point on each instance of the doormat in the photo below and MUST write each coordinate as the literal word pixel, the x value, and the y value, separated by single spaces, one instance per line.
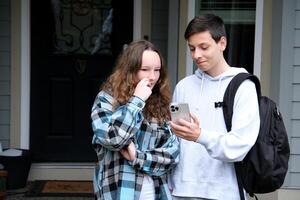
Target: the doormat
pixel 61 188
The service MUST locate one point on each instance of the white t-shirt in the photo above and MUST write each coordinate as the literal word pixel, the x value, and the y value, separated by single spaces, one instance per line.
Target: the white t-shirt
pixel 148 192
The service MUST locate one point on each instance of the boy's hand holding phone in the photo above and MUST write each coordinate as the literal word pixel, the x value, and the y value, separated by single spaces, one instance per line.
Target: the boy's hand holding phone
pixel 180 111
pixel 189 128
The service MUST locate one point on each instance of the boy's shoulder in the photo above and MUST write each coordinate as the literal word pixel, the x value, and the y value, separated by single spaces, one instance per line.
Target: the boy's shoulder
pixel 188 81
pixel 188 78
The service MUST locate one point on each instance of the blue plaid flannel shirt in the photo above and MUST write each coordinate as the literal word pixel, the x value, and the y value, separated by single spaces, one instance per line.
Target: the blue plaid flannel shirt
pixel 114 128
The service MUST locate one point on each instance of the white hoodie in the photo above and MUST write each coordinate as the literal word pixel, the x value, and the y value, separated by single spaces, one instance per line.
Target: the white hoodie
pixel 206 167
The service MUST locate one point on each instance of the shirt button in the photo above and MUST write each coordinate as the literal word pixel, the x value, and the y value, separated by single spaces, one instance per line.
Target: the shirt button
pixel 140 104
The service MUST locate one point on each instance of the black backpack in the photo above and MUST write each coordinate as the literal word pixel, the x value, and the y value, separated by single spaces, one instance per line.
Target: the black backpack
pixel 264 168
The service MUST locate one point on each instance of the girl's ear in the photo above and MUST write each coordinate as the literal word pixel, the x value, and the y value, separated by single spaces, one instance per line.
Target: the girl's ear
pixel 222 43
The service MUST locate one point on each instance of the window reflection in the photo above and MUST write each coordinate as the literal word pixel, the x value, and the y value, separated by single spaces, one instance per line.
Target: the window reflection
pixel 82 27
pixel 239 19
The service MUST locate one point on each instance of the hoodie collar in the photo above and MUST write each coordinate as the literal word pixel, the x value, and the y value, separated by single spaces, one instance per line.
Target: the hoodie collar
pixel 230 72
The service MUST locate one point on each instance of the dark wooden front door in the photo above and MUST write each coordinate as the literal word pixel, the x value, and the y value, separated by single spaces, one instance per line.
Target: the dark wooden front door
pixel 74 45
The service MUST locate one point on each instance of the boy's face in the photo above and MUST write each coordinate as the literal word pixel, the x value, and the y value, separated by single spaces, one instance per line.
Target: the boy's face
pixel 206 53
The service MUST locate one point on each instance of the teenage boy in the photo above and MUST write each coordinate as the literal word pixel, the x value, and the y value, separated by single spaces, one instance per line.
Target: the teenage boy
pixel 208 151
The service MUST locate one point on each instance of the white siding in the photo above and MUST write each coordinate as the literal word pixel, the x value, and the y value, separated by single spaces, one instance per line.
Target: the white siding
pixel 4 72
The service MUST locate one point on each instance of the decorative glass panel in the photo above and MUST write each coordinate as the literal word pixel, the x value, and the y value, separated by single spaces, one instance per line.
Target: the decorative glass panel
pixel 82 27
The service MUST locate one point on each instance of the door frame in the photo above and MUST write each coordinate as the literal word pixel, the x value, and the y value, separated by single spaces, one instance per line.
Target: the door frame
pixel 20 95
pixel 20 69
pixel 20 74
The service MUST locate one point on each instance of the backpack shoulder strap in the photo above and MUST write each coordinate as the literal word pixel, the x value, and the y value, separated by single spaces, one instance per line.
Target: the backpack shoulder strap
pixel 230 92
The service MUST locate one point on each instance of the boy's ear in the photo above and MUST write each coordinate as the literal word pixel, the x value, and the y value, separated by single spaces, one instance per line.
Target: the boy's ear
pixel 222 43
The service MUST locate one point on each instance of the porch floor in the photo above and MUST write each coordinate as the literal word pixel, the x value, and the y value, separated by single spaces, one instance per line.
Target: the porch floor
pixel 20 194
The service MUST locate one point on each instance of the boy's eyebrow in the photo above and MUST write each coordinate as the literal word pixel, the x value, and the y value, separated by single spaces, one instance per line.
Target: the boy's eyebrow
pixel 203 43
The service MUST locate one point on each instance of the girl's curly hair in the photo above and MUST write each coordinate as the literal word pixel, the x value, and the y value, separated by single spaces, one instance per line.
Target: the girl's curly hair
pixel 122 82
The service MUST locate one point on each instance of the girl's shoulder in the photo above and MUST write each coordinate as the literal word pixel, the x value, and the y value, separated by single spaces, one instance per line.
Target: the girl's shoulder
pixel 105 100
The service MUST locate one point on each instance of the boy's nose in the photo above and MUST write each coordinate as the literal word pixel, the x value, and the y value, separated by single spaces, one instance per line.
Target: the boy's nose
pixel 198 53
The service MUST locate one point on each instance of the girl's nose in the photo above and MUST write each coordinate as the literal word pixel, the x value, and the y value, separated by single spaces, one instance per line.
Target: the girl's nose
pixel 151 74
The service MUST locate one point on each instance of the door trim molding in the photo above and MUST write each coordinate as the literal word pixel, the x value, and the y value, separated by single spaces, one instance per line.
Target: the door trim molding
pixel 258 37
pixel 65 171
pixel 142 11
pixel 20 74
pixel 137 19
pixel 189 61
pixel 25 75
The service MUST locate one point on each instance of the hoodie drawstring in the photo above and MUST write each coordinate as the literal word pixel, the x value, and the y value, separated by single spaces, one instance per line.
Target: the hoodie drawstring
pixel 202 82
pixel 216 99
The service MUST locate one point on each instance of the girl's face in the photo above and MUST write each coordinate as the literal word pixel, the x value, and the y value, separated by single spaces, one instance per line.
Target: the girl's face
pixel 150 69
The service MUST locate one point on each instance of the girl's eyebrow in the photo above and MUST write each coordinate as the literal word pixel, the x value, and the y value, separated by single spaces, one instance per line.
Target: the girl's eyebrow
pixel 147 66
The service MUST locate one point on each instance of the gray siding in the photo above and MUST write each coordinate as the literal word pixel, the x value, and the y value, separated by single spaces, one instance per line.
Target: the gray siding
pixel 294 164
pixel 4 72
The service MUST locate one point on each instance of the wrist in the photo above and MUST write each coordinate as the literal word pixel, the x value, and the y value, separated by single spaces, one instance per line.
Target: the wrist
pixel 198 135
pixel 136 95
pixel 137 101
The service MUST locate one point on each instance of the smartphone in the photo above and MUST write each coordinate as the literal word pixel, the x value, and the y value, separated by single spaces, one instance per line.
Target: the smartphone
pixel 180 111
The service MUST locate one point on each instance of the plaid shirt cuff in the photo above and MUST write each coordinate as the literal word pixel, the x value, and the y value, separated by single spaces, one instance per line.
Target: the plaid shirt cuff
pixel 137 102
pixel 139 160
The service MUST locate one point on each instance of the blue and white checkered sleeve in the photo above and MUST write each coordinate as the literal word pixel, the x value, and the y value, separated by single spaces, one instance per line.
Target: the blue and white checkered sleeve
pixel 115 128
pixel 158 161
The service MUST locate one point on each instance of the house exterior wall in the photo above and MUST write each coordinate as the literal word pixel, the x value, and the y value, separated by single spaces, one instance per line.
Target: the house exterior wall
pixel 5 72
pixel 285 78
pixel 295 101
pixel 284 83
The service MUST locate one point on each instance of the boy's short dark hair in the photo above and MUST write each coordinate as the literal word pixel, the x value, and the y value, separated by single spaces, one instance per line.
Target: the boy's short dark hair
pixel 207 22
